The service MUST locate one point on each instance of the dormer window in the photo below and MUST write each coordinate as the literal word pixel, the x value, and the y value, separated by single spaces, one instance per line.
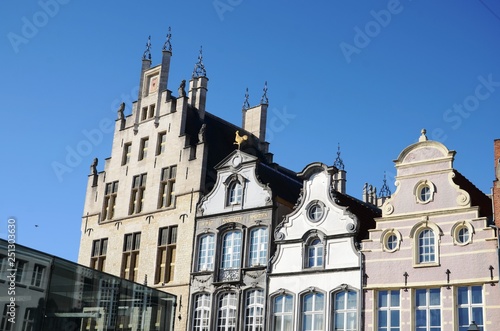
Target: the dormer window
pixel 235 192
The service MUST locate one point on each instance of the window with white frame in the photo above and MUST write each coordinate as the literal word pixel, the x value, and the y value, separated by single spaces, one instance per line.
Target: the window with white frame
pixel 315 212
pixel 201 312
pixel 428 309
pixel 470 307
pixel 313 311
pixel 283 313
pixel 235 193
pixel 29 319
pixel 388 314
pixel 38 275
pixel 426 246
pixel 227 312
pixel 6 322
pixel 206 252
pixel 315 253
pixel 258 247
pixel 254 310
pixel 231 256
pixel 424 192
pixel 345 317
pixel 20 267
pixel 462 233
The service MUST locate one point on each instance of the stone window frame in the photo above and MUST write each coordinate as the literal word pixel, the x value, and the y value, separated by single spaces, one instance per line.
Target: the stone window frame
pixel 455 231
pixel 421 185
pixel 384 240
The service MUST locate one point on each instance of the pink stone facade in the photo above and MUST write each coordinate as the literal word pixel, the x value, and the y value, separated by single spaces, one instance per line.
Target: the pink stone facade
pixel 434 250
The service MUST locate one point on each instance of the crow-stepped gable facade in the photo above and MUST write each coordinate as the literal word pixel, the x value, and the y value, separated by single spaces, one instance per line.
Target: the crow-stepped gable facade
pixel 139 213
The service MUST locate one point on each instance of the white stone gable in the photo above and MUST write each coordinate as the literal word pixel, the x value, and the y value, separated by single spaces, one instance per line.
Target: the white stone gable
pixel 237 167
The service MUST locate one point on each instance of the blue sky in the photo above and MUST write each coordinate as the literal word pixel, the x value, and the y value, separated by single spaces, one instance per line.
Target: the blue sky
pixel 367 75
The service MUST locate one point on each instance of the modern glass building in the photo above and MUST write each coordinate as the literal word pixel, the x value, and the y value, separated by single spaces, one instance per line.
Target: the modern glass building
pixel 43 292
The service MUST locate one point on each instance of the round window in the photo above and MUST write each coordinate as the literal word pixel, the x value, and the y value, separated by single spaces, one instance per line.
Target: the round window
pixel 315 212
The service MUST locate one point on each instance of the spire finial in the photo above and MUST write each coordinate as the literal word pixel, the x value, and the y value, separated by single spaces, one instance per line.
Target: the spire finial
pixel 338 163
pixel 264 100
pixel 199 68
pixel 385 191
pixel 423 137
pixel 246 103
pixel 147 52
pixel 167 46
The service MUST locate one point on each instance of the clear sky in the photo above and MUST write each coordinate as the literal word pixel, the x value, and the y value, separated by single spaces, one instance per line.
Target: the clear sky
pixel 367 75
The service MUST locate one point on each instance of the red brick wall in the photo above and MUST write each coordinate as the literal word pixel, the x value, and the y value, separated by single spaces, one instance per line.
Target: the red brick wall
pixel 496 182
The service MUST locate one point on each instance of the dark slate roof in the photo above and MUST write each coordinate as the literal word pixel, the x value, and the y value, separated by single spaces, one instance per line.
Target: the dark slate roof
pixel 365 212
pixel 283 183
pixel 477 197
pixel 219 140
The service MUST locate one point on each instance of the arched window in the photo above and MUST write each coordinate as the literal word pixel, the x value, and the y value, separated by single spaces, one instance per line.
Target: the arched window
pixel 345 317
pixel 234 193
pixel 313 311
pixel 206 248
pixel 315 254
pixel 283 313
pixel 254 310
pixel 426 246
pixel 258 247
pixel 201 312
pixel 227 312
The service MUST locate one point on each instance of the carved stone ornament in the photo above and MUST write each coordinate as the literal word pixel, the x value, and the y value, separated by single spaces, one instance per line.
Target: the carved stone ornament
pixel 388 208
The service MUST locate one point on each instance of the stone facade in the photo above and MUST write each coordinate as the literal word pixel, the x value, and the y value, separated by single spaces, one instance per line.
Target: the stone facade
pixel 139 214
pixel 233 240
pixel 431 261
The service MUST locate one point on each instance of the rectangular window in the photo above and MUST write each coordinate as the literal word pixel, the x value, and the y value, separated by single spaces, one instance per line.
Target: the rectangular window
pixel 108 210
pixel 167 186
pixel 389 311
pixel 130 261
pixel 38 274
pixel 470 307
pixel 20 270
pixel 144 113
pixel 206 253
pixel 428 309
pixel 6 325
pixel 137 196
pixel 29 318
pixel 167 244
pixel 201 316
pixel 161 143
pixel 345 312
pixel 258 247
pixel 254 310
pixel 283 313
pixel 143 151
pixel 127 148
pixel 99 249
pixel 151 111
